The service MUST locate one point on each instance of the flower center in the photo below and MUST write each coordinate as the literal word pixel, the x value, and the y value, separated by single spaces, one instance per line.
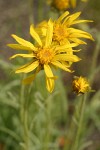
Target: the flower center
pixel 60 32
pixel 45 55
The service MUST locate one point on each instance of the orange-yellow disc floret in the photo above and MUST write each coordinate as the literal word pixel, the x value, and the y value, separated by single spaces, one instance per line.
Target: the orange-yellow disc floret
pixel 45 55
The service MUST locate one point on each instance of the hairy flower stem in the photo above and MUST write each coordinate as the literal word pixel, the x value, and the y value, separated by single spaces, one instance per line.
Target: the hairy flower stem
pixel 24 117
pixel 81 119
pixel 26 136
pixel 48 123
pixel 94 61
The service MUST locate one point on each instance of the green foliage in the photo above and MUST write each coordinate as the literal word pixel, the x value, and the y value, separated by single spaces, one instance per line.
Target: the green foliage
pixel 31 117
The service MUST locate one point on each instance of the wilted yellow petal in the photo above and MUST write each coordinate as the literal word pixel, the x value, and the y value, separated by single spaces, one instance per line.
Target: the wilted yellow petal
pixel 29 79
pixel 81 85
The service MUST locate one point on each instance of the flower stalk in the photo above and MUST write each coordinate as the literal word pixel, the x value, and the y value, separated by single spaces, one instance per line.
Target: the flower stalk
pixel 81 120
pixel 24 117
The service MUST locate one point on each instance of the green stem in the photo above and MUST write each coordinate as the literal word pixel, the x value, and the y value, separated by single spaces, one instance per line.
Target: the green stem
pixel 95 72
pixel 79 130
pixel 96 52
pixel 40 10
pixel 22 101
pixel 72 127
pixel 26 133
pixel 94 61
pixel 24 117
pixel 69 136
pixel 11 133
pixel 48 124
pixel 31 8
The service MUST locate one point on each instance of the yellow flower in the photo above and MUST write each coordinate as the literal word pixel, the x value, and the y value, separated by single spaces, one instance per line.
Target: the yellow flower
pixel 64 33
pixel 80 85
pixel 73 3
pixel 44 56
pixel 61 4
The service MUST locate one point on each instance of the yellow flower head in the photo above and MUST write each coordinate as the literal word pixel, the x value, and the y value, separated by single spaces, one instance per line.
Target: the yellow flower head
pixel 80 85
pixel 61 4
pixel 44 56
pixel 64 33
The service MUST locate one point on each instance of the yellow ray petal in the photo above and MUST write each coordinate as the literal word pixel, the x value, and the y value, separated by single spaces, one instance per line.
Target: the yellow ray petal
pixel 28 68
pixel 79 35
pixel 23 55
pixel 74 16
pixel 49 34
pixel 67 64
pixel 48 71
pixel 67 57
pixel 26 64
pixel 69 20
pixel 59 65
pixel 72 30
pixel 20 47
pixel 35 36
pixel 74 33
pixel 76 40
pixel 64 47
pixel 68 51
pixel 23 42
pixel 50 84
pixel 62 16
pixel 29 79
pixel 81 21
pixel 41 28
